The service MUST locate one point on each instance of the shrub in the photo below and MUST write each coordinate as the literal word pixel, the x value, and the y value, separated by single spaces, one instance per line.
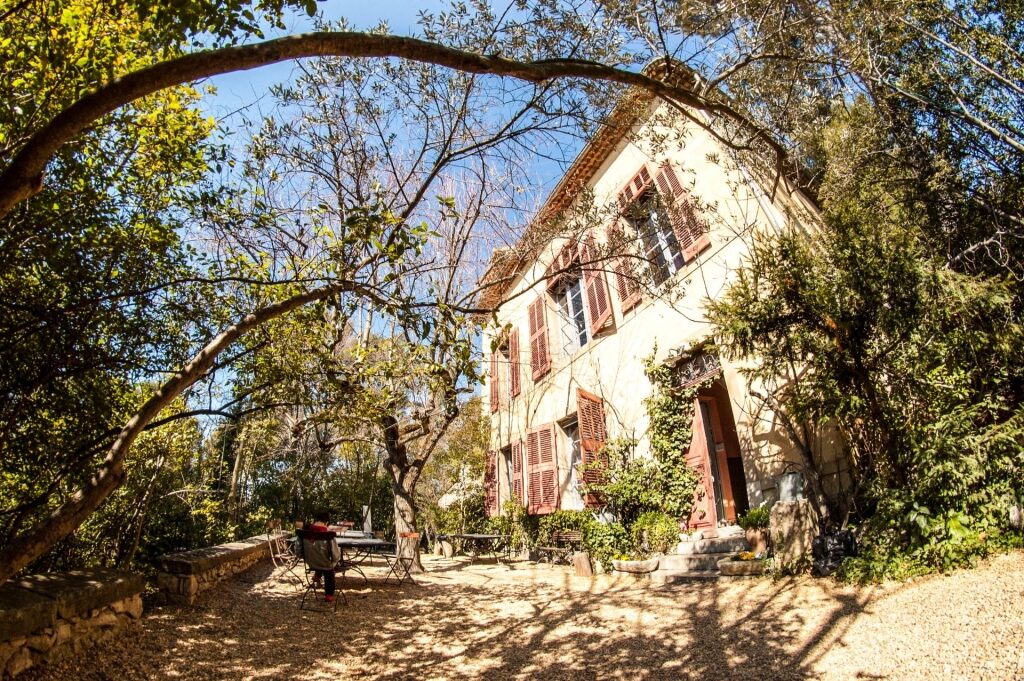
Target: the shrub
pixel 654 532
pixel 521 529
pixel 755 518
pixel 561 521
pixel 604 541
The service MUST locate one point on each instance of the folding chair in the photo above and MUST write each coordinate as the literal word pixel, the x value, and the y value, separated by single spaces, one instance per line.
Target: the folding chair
pixel 401 565
pixel 307 538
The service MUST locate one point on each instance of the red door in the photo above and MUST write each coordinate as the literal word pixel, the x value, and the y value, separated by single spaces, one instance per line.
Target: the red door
pixel 703 516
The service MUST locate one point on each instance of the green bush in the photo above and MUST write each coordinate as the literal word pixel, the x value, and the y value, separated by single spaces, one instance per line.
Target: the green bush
pixel 562 521
pixel 604 541
pixel 654 532
pixel 513 522
pixel 755 518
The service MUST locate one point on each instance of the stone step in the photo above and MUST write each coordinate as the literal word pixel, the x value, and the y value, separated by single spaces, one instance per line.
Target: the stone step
pixel 729 544
pixel 693 562
pixel 659 577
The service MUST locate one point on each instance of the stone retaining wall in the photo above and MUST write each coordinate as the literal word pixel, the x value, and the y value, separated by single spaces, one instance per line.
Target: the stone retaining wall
pixel 181 576
pixel 48 615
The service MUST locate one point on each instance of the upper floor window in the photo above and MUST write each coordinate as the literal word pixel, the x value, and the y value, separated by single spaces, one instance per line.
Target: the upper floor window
pixel 650 221
pixel 569 298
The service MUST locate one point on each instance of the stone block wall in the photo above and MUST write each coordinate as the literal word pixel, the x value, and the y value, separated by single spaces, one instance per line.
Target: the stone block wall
pixel 182 576
pixel 48 615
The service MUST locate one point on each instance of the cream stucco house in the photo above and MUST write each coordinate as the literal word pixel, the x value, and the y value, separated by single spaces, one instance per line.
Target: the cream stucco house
pixel 567 372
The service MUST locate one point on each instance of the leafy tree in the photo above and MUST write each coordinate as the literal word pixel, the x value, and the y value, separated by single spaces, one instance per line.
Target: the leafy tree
pixel 914 362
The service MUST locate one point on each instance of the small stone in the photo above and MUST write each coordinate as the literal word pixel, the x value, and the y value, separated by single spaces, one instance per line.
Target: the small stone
pixel 19 662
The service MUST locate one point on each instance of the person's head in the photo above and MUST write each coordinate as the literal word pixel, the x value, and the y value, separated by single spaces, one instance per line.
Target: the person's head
pixel 322 516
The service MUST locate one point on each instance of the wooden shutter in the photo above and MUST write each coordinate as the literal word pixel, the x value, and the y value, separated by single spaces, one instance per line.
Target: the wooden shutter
pixel 690 229
pixel 542 468
pixel 514 385
pixel 626 283
pixel 634 188
pixel 590 419
pixel 596 290
pixel 517 471
pixel 495 395
pixel 558 269
pixel 540 359
pixel 491 484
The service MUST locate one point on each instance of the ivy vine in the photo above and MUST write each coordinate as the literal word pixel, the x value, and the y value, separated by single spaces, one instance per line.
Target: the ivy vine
pixel 670 411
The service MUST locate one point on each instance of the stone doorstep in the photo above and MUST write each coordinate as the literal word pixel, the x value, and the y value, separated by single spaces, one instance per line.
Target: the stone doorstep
pixel 732 544
pixel 80 591
pixel 695 562
pixel 660 577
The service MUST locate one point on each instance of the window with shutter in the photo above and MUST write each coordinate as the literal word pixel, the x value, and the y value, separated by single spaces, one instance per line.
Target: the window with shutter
pixel 493 380
pixel 590 419
pixel 690 230
pixel 598 303
pixel 514 386
pixel 517 472
pixel 540 358
pixel 542 471
pixel 491 484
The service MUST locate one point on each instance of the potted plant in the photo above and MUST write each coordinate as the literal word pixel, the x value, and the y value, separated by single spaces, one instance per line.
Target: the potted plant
pixel 755 524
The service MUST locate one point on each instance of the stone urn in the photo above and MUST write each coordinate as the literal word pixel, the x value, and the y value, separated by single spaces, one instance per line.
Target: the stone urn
pixel 757 540
pixel 636 567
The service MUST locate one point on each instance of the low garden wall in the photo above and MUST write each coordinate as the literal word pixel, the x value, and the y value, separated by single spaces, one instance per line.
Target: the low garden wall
pixel 182 576
pixel 48 615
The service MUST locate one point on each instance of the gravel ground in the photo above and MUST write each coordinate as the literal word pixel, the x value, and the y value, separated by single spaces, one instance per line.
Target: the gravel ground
pixel 527 621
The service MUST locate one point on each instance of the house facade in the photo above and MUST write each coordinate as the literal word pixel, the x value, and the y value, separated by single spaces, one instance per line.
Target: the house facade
pixel 653 218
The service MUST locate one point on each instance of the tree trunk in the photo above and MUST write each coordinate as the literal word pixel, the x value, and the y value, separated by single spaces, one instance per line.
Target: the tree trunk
pixel 404 484
pixel 38 540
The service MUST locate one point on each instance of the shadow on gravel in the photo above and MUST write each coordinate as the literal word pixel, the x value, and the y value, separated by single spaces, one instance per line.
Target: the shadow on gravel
pixel 482 621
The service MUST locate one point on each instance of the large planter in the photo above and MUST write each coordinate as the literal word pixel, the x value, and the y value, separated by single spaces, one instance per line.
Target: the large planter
pixel 636 567
pixel 740 568
pixel 757 540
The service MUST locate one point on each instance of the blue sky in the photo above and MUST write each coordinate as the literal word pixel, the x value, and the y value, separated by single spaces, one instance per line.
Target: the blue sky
pixel 236 90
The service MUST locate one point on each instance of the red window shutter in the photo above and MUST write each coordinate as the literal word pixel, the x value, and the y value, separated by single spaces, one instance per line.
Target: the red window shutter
pixel 491 484
pixel 596 290
pixel 542 465
pixel 690 229
pixel 532 472
pixel 495 395
pixel 514 386
pixel 517 471
pixel 626 282
pixel 634 188
pixel 540 359
pixel 590 420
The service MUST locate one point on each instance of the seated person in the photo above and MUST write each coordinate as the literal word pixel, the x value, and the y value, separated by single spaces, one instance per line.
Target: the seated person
pixel 322 556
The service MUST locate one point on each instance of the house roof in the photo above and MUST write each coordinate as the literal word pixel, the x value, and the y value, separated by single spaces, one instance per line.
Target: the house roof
pixel 506 263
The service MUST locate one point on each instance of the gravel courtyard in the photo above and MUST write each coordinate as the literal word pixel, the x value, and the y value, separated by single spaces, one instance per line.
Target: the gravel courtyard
pixel 527 621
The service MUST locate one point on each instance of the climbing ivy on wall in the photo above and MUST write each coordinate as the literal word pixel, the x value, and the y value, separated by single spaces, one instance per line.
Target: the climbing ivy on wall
pixel 670 414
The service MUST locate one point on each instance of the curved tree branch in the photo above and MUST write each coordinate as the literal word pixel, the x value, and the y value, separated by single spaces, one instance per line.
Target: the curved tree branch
pixel 23 177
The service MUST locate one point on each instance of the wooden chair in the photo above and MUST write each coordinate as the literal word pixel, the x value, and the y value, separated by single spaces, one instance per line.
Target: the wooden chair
pixel 401 566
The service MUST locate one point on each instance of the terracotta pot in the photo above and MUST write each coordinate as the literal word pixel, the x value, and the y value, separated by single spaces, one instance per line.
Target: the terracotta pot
pixel 636 566
pixel 757 539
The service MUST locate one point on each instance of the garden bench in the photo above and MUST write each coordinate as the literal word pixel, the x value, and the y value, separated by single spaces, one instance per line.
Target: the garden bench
pixel 565 543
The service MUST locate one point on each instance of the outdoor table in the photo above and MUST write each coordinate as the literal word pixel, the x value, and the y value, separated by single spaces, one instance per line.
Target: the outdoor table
pixel 482 543
pixel 361 547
